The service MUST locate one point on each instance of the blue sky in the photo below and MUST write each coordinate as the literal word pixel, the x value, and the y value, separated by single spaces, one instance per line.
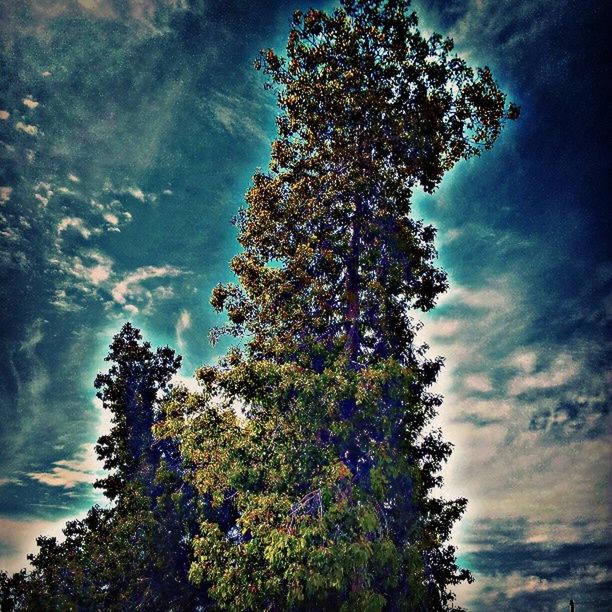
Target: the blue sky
pixel 128 134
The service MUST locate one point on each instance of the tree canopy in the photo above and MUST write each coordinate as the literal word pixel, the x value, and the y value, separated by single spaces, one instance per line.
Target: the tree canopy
pixel 305 473
pixel 135 554
pixel 314 440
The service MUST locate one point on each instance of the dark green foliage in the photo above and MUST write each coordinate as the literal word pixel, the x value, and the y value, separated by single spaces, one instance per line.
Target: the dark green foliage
pixel 304 475
pixel 130 391
pixel 324 482
pixel 134 555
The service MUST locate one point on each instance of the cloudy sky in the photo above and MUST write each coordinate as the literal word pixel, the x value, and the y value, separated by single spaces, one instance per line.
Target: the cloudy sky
pixel 128 133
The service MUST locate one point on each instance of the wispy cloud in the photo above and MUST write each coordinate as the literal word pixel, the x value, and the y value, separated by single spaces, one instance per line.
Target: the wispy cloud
pixel 83 274
pixel 235 114
pixel 182 325
pixel 67 473
pixel 131 286
pixel 76 224
pixel 562 370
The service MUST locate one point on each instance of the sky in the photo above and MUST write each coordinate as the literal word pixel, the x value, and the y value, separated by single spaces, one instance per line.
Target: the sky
pixel 129 131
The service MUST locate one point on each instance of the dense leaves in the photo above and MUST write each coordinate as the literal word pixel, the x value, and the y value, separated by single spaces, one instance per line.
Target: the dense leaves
pixel 135 554
pixel 305 472
pixel 130 391
pixel 314 441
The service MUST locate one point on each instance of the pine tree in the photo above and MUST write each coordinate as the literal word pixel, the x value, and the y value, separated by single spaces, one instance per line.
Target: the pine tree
pixel 129 390
pixel 135 554
pixel 313 440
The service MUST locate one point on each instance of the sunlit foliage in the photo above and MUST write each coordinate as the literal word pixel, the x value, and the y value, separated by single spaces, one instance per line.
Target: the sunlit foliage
pixel 313 440
pixel 305 474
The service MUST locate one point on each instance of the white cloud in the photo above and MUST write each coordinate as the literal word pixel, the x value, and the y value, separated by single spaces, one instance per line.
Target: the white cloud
pixel 182 325
pixel 187 381
pixel 83 274
pixel 444 328
pixel 99 257
pixel 18 537
pixel 504 468
pixel 75 223
pixel 98 274
pixel 130 286
pixel 102 8
pixel 136 192
pixel 67 473
pixel 524 360
pixel 29 102
pixel 5 194
pixel 111 218
pixel 74 178
pixel 66 191
pixel 478 382
pixel 105 418
pixel 4 115
pixel 94 275
pixel 10 234
pixel 561 371
pixel 481 297
pixel 494 408
pixel 485 592
pixel 520 476
pixel 31 130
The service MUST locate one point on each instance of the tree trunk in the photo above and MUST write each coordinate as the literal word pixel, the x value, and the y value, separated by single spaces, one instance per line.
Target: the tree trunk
pixel 353 341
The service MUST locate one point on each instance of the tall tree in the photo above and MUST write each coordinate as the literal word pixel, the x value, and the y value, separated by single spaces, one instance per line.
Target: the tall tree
pixel 130 390
pixel 135 554
pixel 314 441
